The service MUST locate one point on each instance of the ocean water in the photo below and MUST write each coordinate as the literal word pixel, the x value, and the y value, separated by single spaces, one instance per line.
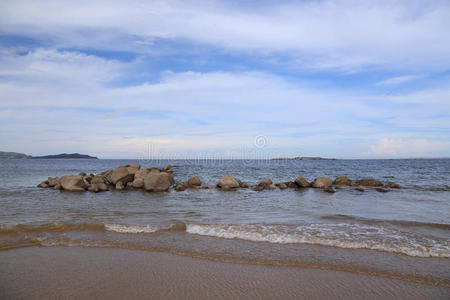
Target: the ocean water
pixel 404 231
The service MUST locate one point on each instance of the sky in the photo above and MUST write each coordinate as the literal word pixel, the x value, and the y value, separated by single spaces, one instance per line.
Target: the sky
pixel 225 79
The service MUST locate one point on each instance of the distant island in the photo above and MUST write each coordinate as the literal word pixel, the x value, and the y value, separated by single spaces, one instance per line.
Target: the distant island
pixel 15 155
pixel 303 158
pixel 12 155
pixel 65 156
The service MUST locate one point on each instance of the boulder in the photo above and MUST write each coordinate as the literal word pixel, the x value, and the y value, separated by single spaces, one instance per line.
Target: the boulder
pixel 57 187
pixel 168 169
pixel 73 183
pixel 194 181
pixel 291 184
pixel 180 186
pixel 271 187
pixel 258 188
pixel 359 189
pixel 265 183
pixel 97 187
pixel 283 186
pixel 392 185
pixel 43 184
pixel 53 181
pixel 139 176
pixel 341 180
pixel 228 182
pixel 243 185
pixel 381 190
pixel 322 183
pixel 329 190
pixel 123 174
pixel 301 182
pixel 119 186
pixel 158 182
pixel 369 182
pixel 98 179
pixel 353 183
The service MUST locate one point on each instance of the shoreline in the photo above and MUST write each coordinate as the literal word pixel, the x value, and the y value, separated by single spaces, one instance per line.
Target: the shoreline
pixel 74 272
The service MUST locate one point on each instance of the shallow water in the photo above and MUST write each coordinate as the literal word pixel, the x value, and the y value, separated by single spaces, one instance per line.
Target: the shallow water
pixel 265 227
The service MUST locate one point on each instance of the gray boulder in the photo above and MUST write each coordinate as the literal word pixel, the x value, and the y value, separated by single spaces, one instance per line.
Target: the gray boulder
pixel 194 181
pixel 322 183
pixel 301 182
pixel 123 174
pixel 158 182
pixel 341 180
pixel 73 183
pixel 228 182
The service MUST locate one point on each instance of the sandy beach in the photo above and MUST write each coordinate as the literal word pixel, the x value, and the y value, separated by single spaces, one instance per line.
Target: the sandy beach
pixel 89 273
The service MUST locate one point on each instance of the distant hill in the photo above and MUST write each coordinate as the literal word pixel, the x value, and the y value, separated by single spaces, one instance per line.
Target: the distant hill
pixel 65 156
pixel 12 155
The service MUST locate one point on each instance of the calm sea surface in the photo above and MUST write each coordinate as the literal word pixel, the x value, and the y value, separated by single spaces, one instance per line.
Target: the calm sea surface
pixel 405 231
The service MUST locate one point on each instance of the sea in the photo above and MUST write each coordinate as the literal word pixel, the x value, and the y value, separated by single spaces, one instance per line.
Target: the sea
pixel 402 234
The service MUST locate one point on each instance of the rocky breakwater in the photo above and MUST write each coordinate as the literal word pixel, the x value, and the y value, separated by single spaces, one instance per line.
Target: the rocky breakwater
pixel 132 177
pixel 129 177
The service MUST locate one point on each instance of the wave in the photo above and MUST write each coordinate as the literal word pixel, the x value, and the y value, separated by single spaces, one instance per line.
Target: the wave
pixel 335 235
pixel 341 217
pixel 341 235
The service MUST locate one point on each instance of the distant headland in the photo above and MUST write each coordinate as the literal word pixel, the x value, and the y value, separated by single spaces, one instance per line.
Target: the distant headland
pixel 15 155
pixel 302 158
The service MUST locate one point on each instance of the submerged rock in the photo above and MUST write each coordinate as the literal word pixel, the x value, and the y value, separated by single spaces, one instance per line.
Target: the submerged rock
pixel 359 189
pixel 180 186
pixel 43 184
pixel 381 190
pixel 322 183
pixel 392 185
pixel 282 186
pixel 329 190
pixel 369 182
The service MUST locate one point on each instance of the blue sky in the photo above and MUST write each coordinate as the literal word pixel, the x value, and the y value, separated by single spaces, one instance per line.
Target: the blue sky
pixel 226 79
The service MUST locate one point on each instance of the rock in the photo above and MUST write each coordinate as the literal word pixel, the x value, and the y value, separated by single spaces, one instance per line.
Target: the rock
pixel 301 182
pixel 392 185
pixel 341 180
pixel 43 184
pixel 53 181
pixel 291 184
pixel 102 187
pixel 57 187
pixel 265 182
pixel 369 182
pixel 322 183
pixel 82 174
pixel 283 186
pixel 359 189
pixel 119 186
pixel 168 169
pixel 98 179
pixel 243 185
pixel 138 183
pixel 228 182
pixel 381 190
pixel 258 188
pixel 158 182
pixel 93 188
pixel 353 183
pixel 123 174
pixel 329 190
pixel 271 187
pixel 194 181
pixel 73 183
pixel 180 186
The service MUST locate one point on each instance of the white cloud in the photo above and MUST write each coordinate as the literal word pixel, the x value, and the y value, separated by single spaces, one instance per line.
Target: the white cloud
pixel 399 80
pixel 345 35
pixel 395 148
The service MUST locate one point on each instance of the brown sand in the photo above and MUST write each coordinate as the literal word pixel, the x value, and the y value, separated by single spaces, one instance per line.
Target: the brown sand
pixel 89 273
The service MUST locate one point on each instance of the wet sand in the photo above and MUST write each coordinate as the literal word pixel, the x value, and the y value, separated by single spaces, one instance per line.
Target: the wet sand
pixel 92 273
